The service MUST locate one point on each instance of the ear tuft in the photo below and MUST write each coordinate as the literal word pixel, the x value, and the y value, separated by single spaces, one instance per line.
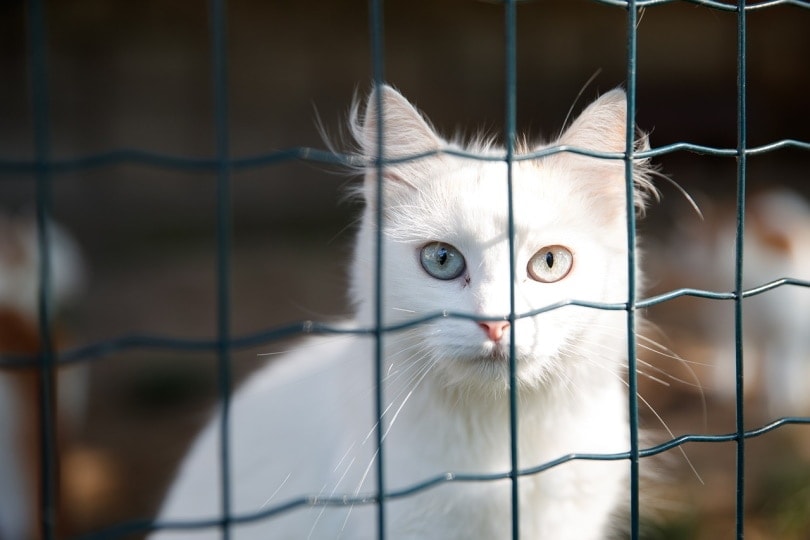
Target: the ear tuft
pixel 406 134
pixel 602 126
pixel 405 130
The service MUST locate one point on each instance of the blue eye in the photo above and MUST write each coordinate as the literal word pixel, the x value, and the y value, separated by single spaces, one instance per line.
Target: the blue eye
pixel 442 261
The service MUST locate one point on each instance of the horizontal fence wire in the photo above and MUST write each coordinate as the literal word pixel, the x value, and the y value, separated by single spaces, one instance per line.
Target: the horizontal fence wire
pixel 450 477
pixel 45 169
pixel 97 350
pixel 18 169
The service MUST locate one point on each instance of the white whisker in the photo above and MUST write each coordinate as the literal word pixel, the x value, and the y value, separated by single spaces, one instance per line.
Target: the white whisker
pixel 672 436
pixel 323 342
pixel 425 371
pixel 272 496
pixel 653 378
pixel 646 403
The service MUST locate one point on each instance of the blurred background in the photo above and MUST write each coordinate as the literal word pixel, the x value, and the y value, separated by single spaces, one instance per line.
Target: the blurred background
pixel 139 76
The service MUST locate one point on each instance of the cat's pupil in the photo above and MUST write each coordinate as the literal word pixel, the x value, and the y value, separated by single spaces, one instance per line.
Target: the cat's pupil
pixel 442 256
pixel 549 259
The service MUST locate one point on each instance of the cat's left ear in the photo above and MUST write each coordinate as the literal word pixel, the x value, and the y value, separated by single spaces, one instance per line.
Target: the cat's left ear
pixel 405 134
pixel 602 127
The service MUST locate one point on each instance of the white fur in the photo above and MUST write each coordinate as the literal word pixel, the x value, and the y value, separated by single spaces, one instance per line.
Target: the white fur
pixel 304 425
pixel 19 289
pixel 19 265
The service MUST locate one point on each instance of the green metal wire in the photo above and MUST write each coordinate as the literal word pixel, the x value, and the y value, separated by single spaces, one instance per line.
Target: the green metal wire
pixel 378 75
pixel 19 168
pixel 629 166
pixel 98 350
pixel 124 529
pixel 219 60
pixel 46 360
pixel 742 161
pixel 510 123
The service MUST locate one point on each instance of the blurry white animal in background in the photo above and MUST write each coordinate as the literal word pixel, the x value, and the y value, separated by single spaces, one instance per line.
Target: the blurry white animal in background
pixel 19 265
pixel 19 335
pixel 776 323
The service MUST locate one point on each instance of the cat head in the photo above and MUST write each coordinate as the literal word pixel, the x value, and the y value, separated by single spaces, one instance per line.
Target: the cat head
pixel 445 248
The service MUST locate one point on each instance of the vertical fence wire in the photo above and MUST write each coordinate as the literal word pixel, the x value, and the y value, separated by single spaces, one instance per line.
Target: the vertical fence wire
pixel 46 386
pixel 632 377
pixel 219 59
pixel 510 120
pixel 378 75
pixel 742 160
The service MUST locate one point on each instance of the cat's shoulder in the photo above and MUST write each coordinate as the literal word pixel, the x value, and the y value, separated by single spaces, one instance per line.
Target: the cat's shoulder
pixel 310 359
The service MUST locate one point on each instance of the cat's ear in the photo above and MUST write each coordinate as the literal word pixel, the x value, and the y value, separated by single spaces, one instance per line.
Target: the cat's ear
pixel 405 130
pixel 602 126
pixel 406 133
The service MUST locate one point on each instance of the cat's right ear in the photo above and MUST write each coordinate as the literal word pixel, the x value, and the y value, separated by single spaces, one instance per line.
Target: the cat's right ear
pixel 405 134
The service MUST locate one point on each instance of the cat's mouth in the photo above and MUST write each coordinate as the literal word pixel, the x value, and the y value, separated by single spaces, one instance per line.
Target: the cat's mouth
pixel 488 368
pixel 496 352
pixel 488 354
pixel 491 356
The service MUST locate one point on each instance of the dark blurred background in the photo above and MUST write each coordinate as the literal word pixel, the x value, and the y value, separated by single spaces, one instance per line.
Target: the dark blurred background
pixel 139 75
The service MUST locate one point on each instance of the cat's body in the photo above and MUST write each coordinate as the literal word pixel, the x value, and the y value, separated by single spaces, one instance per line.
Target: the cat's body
pixel 304 425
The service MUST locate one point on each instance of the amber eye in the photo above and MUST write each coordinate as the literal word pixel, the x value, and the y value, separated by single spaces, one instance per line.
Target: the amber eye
pixel 442 261
pixel 550 264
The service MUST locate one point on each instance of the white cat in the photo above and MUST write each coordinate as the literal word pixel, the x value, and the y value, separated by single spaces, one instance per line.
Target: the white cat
pixel 304 425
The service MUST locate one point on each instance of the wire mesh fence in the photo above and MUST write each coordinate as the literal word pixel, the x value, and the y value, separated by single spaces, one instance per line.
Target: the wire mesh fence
pixel 45 168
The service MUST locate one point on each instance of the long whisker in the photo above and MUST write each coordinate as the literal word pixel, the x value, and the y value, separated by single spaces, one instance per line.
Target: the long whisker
pixel 663 351
pixel 685 194
pixel 646 403
pixel 273 495
pixel 665 373
pixel 308 344
pixel 653 377
pixel 667 353
pixel 397 370
pixel 579 95
pixel 332 494
pixel 672 436
pixel 425 371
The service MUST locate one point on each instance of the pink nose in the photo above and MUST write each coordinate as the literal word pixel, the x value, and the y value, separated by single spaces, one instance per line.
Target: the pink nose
pixel 494 329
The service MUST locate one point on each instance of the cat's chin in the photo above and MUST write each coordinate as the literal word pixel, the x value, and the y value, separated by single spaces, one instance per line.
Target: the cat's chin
pixel 487 355
pixel 487 370
pixel 496 352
